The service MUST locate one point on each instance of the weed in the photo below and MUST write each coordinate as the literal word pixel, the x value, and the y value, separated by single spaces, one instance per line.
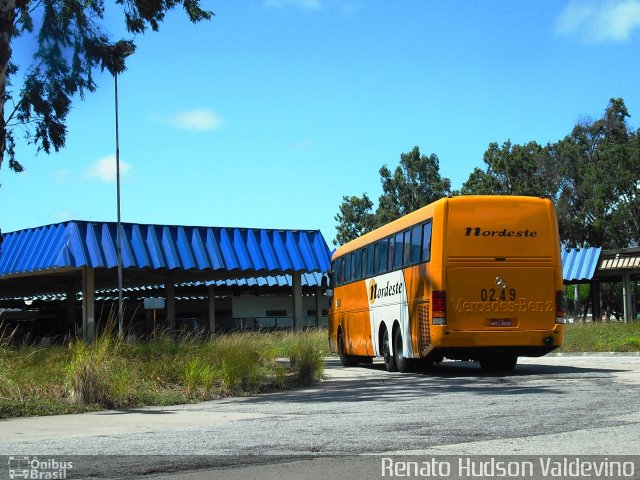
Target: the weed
pixel 164 371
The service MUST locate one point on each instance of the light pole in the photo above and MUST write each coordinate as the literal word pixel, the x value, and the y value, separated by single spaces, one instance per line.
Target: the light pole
pixel 123 49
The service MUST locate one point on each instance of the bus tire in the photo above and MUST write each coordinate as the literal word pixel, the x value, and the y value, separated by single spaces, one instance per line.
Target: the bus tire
pixel 403 364
pixel 389 359
pixel 345 359
pixel 503 363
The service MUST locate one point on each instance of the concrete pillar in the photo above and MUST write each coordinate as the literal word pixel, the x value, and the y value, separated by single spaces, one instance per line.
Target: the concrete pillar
pixel 170 306
pixel 88 306
pixel 212 309
pixel 71 292
pixel 596 310
pixel 298 319
pixel 318 307
pixel 626 296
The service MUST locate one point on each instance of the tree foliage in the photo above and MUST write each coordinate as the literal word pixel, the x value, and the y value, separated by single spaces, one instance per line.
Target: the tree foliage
pixel 71 44
pixel 592 175
pixel 414 183
pixel 354 218
pixel 514 170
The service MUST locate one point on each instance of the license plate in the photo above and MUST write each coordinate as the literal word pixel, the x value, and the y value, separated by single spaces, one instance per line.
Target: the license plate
pixel 501 323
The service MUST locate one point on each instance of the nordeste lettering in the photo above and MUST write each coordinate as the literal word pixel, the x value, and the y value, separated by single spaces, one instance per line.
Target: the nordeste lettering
pixel 504 232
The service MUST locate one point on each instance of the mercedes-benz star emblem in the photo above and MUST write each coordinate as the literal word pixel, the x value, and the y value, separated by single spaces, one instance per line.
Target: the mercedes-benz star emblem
pixel 501 282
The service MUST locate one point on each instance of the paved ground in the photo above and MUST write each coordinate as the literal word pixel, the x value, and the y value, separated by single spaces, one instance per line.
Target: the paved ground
pixel 564 405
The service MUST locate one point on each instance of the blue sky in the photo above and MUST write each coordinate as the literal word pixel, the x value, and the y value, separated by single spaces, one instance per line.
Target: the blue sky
pixel 267 115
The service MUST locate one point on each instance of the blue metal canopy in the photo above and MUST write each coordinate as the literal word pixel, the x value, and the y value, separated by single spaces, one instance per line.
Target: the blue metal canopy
pixel 579 264
pixel 244 251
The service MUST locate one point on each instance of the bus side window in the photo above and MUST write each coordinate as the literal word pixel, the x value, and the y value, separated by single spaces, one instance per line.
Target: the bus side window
pixel 334 274
pixel 426 242
pixel 376 258
pixel 397 255
pixel 338 272
pixel 343 268
pixel 390 254
pixel 357 265
pixel 416 243
pixel 407 248
pixel 347 270
pixel 363 267
pixel 384 252
pixel 370 259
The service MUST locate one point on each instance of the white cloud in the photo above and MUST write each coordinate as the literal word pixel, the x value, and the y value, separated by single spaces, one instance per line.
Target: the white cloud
pixel 201 120
pixel 303 144
pixel 58 216
pixel 105 169
pixel 304 4
pixel 597 21
pixel 61 175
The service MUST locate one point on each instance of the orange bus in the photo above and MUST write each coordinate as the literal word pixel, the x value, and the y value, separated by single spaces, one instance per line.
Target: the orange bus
pixel 465 278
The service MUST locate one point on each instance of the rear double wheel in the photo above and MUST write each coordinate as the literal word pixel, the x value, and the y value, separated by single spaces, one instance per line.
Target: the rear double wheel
pixel 403 364
pixel 389 358
pixel 396 361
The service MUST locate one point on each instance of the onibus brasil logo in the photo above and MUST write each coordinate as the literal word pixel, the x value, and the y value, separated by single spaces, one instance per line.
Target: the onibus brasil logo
pixel 36 468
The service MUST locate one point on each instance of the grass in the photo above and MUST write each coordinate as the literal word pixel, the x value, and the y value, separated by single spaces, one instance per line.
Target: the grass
pixel 113 374
pixel 602 337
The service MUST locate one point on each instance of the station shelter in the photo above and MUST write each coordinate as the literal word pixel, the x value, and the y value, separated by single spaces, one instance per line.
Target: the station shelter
pixel 61 279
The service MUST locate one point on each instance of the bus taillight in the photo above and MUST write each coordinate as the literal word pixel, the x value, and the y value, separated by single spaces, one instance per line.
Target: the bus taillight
pixel 439 307
pixel 560 307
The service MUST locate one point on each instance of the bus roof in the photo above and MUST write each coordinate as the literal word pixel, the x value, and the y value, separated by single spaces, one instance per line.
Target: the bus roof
pixel 423 214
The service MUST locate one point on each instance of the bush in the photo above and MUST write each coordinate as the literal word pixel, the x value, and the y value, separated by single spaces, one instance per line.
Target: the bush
pixel 307 359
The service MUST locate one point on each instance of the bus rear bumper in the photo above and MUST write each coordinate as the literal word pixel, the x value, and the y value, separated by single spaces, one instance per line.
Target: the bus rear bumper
pixel 470 345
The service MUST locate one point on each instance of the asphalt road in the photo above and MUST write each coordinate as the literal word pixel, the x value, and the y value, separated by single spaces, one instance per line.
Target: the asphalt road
pixel 556 405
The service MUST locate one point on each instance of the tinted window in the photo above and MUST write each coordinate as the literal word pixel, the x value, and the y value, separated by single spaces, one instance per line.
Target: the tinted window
pixel 416 243
pixel 340 270
pixel 347 270
pixel 426 242
pixel 369 262
pixel 384 252
pixel 357 270
pixel 363 267
pixel 390 253
pixel 407 248
pixel 376 258
pixel 334 273
pixel 399 244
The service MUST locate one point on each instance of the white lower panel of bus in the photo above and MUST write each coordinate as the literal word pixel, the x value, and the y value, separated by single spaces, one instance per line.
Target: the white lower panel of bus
pixel 387 296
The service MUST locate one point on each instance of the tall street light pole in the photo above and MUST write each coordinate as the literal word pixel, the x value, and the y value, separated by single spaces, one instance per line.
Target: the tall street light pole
pixel 119 227
pixel 123 49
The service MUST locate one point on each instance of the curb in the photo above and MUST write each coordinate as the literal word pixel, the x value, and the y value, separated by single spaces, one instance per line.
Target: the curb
pixel 594 354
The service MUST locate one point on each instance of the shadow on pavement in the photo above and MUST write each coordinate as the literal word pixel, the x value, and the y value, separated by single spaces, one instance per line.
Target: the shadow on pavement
pixel 447 378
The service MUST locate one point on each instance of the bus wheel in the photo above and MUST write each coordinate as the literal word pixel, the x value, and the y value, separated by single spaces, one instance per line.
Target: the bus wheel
pixel 345 359
pixel 403 364
pixel 503 363
pixel 389 360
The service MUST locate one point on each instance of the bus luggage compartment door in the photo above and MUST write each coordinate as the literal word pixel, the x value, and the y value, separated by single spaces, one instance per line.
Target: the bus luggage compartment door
pixel 500 298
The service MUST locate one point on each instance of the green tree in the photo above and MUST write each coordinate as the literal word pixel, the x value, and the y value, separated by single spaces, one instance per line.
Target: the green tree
pixel 355 218
pixel 598 200
pixel 71 43
pixel 414 183
pixel 514 170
